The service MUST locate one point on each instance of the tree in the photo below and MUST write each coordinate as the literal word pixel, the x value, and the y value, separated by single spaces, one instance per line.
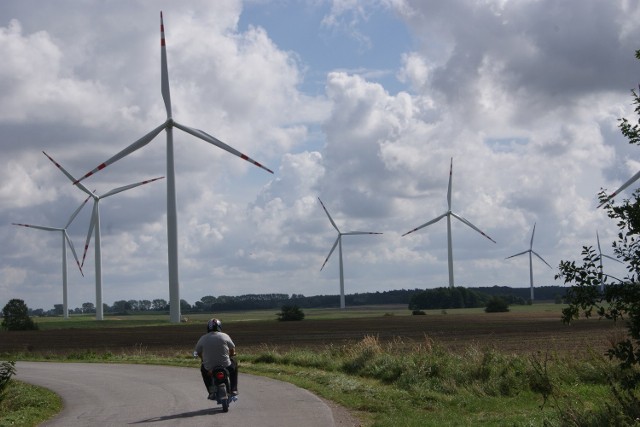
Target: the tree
pixel 290 312
pixel 16 316
pixel 619 300
pixel 88 307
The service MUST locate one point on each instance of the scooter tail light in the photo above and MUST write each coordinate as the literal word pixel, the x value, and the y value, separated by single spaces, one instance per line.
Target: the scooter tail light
pixel 220 375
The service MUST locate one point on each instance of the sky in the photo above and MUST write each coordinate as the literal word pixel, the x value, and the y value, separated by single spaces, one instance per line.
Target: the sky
pixel 362 104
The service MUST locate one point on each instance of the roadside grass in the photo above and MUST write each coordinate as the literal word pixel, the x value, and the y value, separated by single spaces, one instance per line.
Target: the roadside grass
pixel 27 405
pixel 423 385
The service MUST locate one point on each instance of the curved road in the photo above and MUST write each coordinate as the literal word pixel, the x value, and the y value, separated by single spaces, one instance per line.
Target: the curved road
pixel 145 395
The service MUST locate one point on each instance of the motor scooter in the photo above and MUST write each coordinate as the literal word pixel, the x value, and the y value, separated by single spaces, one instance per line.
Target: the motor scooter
pixel 220 387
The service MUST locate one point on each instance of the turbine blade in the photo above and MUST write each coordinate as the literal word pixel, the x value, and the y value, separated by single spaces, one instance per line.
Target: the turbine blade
pixel 541 259
pixel 330 219
pixel 612 258
pixel 450 179
pixel 427 223
pixel 472 226
pixel 598 239
pixel 519 253
pixel 351 233
pixel 533 233
pixel 330 252
pixel 215 141
pixel 76 212
pixel 622 187
pixel 92 223
pixel 73 251
pixel 39 227
pixel 130 149
pixel 128 187
pixel 164 73
pixel 68 175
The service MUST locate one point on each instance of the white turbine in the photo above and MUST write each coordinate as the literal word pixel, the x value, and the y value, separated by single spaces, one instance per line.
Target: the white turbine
pixel 172 215
pixel 600 255
pixel 339 244
pixel 531 251
pixel 65 240
pixel 94 226
pixel 450 214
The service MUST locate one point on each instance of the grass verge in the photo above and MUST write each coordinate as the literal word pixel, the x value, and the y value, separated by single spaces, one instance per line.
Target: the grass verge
pixel 27 405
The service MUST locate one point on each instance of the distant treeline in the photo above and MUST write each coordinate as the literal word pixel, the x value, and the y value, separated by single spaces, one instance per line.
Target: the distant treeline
pixel 414 299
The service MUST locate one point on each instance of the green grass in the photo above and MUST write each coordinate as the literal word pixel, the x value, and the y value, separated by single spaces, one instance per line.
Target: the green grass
pixel 27 405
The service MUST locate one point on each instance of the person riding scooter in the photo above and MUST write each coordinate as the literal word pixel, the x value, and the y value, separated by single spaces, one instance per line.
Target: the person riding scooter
pixel 216 348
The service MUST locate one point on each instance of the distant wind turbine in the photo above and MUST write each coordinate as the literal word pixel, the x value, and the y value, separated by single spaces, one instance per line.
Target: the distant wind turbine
pixel 339 244
pixel 65 240
pixel 172 215
pixel 530 251
pixel 600 255
pixel 94 226
pixel 449 214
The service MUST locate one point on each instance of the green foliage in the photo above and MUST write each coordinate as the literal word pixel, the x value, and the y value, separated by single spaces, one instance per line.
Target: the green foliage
pixel 16 316
pixel 496 305
pixel 7 370
pixel 290 313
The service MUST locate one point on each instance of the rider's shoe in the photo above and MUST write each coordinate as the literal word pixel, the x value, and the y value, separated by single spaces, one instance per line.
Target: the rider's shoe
pixel 234 392
pixel 212 396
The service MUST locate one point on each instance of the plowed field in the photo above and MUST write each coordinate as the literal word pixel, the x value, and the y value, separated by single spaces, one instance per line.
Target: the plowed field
pixel 508 332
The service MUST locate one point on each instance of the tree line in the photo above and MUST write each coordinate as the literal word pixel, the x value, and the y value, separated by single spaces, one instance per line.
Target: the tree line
pixel 439 298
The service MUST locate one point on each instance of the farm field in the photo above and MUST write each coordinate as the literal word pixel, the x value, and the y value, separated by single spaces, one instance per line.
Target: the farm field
pixel 523 330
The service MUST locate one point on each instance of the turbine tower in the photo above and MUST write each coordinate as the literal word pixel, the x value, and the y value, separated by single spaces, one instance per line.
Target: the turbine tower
pixel 172 215
pixel 338 243
pixel 600 255
pixel 449 213
pixel 94 226
pixel 530 251
pixel 65 240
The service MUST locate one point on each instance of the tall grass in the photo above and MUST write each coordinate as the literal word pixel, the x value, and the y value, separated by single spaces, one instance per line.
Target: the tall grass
pixel 424 384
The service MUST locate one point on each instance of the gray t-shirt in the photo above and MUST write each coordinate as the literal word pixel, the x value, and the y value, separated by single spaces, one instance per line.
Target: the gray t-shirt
pixel 214 348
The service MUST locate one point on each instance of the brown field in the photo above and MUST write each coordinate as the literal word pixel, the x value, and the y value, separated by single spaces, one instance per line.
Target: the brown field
pixel 520 333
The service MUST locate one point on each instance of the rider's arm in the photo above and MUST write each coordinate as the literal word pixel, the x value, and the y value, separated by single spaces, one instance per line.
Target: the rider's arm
pixel 232 352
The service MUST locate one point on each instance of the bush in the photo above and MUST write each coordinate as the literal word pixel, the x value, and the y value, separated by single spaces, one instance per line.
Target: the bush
pixel 418 313
pixel 496 305
pixel 290 312
pixel 7 370
pixel 16 316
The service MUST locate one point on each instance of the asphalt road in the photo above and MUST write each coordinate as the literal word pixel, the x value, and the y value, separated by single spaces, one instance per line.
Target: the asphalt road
pixel 120 395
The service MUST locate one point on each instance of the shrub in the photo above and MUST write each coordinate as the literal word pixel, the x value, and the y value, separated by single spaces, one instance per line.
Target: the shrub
pixel 418 313
pixel 7 370
pixel 290 312
pixel 16 316
pixel 496 305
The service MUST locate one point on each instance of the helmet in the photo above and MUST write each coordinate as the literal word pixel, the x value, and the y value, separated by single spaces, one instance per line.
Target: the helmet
pixel 214 325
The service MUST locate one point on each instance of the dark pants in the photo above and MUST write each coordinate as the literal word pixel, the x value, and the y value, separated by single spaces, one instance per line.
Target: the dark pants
pixel 233 376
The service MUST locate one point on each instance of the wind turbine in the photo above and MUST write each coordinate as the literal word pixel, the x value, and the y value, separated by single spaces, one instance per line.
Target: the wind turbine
pixel 94 226
pixel 172 215
pixel 65 240
pixel 600 255
pixel 450 214
pixel 531 251
pixel 339 244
